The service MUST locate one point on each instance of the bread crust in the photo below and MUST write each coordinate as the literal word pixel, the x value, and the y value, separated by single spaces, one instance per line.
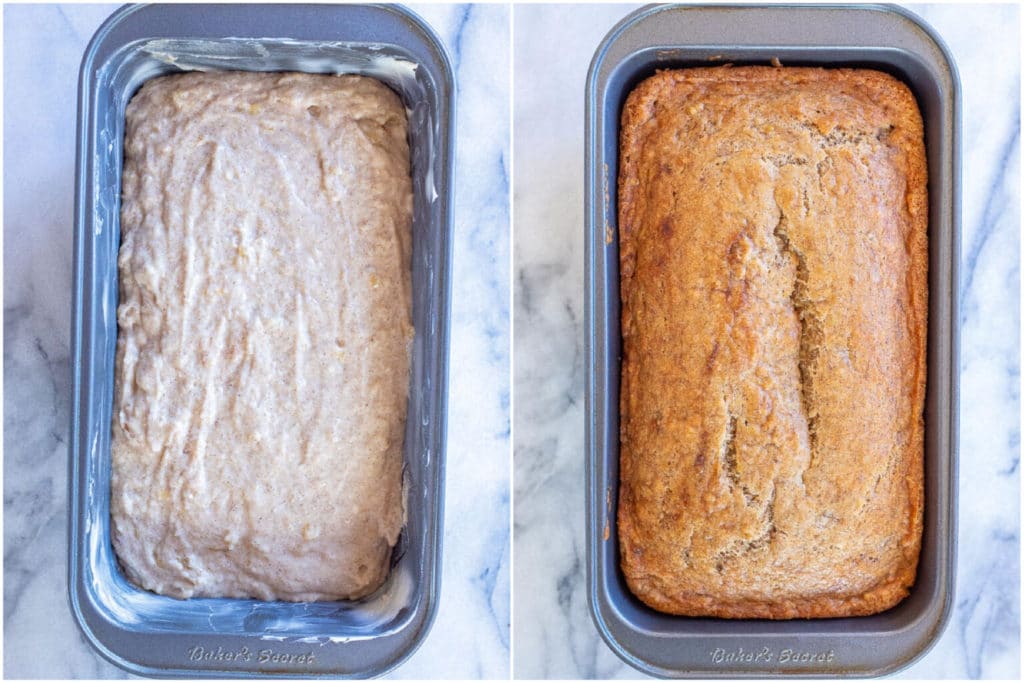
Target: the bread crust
pixel 773 263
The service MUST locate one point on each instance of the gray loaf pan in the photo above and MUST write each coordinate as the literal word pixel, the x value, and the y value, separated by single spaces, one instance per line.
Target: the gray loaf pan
pixel 159 636
pixel 878 37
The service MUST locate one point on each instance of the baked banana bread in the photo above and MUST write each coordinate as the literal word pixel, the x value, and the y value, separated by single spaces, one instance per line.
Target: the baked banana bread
pixel 264 335
pixel 773 246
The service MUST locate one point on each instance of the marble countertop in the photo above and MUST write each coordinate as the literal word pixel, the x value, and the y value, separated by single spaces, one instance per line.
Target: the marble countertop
pixel 553 632
pixel 43 46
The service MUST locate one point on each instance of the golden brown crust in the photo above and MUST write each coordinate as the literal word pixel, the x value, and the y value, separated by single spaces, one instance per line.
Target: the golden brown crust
pixel 773 252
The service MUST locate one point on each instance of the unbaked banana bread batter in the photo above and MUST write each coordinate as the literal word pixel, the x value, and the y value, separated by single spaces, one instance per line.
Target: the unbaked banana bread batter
pixel 264 336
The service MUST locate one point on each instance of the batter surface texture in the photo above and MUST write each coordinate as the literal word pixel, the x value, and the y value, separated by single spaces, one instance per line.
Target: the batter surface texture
pixel 265 328
pixel 773 246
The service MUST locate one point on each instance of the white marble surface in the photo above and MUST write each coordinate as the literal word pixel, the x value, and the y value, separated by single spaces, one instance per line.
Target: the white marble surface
pixel 553 632
pixel 43 46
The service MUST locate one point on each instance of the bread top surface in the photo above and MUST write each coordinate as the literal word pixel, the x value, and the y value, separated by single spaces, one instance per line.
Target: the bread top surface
pixel 773 263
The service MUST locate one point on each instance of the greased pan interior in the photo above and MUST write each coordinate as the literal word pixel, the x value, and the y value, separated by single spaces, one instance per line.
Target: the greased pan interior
pixel 884 38
pixel 158 636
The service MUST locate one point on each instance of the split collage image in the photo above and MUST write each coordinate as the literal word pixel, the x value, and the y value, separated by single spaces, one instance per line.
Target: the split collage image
pixel 511 340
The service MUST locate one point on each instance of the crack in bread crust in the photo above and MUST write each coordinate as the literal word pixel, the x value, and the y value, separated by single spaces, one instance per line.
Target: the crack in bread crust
pixel 810 330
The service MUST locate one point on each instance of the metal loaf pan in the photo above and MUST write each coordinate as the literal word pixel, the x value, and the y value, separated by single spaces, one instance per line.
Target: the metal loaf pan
pixel 154 635
pixel 879 37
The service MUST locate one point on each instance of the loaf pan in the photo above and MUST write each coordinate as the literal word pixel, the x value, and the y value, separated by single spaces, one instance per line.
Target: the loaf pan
pixel 154 635
pixel 878 37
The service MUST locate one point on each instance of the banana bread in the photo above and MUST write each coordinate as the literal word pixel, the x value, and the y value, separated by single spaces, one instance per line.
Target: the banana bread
pixel 773 258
